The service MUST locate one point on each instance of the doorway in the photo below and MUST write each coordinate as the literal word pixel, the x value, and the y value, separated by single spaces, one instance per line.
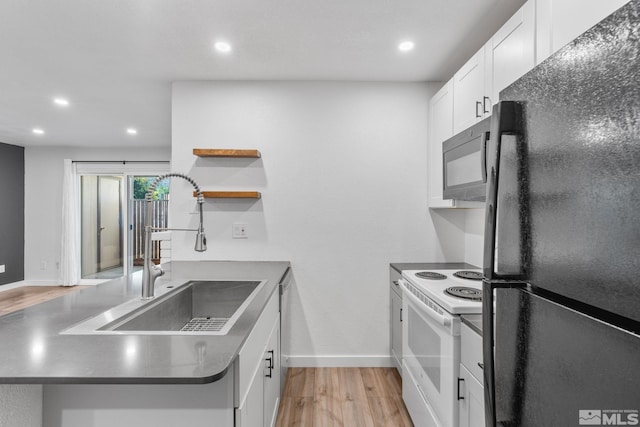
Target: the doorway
pixel 101 226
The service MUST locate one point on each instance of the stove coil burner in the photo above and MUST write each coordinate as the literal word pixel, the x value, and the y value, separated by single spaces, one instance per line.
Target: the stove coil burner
pixel 464 293
pixel 471 275
pixel 431 275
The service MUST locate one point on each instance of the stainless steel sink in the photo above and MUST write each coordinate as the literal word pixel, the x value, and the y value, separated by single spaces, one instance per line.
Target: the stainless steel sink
pixel 193 308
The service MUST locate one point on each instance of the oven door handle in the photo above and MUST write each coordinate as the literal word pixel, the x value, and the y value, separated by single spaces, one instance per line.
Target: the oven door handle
pixel 442 318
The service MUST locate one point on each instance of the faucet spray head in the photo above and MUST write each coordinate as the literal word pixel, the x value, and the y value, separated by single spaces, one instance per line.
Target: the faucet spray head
pixel 201 241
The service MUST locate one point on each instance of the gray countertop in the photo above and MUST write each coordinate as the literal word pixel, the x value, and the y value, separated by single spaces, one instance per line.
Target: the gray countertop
pixel 474 321
pixel 399 266
pixel 33 351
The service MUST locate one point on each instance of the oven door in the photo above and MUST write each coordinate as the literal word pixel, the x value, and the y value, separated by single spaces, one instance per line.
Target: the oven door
pixel 431 347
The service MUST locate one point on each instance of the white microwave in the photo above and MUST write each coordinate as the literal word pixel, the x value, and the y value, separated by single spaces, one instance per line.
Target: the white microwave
pixel 464 164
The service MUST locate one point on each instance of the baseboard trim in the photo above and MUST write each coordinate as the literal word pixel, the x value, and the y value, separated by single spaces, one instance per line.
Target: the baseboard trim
pixel 28 282
pixel 12 285
pixel 340 361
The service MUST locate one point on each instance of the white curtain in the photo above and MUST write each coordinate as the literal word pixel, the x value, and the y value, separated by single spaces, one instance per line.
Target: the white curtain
pixel 70 249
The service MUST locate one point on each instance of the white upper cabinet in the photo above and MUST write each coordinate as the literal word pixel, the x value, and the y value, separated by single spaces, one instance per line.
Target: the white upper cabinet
pixel 468 93
pixel 560 21
pixel 506 57
pixel 538 29
pixel 511 52
pixel 441 128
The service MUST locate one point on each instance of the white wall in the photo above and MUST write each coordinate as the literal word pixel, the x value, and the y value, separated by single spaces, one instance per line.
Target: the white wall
pixel 343 177
pixel 43 201
pixel 474 236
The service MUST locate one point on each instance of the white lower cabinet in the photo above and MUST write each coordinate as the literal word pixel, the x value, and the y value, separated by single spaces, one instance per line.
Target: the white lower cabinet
pixel 471 400
pixel 271 379
pixel 470 381
pixel 260 407
pixel 259 393
pixel 395 329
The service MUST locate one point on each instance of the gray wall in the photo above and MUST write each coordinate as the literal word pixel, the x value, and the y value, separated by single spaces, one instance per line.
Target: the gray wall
pixel 11 213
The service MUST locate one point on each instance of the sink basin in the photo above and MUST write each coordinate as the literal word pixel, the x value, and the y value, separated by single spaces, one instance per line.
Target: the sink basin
pixel 193 308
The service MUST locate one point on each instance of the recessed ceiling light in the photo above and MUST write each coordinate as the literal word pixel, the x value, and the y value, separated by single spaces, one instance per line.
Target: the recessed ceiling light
pixel 38 131
pixel 222 47
pixel 406 46
pixel 61 101
pixel 132 131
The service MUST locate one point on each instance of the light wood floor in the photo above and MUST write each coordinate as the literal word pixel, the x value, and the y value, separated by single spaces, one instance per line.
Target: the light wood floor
pixel 349 397
pixel 25 296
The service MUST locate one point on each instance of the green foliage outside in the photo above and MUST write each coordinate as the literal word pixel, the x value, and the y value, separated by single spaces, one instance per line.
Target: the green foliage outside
pixel 142 183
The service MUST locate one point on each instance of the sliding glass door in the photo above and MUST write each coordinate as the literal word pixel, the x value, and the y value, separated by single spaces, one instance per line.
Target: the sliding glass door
pixel 112 211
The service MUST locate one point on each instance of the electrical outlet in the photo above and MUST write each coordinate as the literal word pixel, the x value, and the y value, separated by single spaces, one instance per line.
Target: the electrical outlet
pixel 239 231
pixel 2 268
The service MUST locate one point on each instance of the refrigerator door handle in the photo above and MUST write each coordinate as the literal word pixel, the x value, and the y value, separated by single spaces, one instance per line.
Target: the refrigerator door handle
pixel 505 120
pixel 488 339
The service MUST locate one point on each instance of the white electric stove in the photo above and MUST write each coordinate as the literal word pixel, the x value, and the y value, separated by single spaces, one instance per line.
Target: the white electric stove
pixel 435 283
pixel 431 341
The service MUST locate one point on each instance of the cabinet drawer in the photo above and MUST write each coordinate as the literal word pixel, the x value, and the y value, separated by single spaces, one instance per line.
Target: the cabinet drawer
pixel 471 345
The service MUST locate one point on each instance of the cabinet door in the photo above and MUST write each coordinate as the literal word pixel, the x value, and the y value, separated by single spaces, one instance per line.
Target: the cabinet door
pixel 251 413
pixel 272 377
pixel 441 129
pixel 471 400
pixel 510 53
pixel 560 21
pixel 468 93
pixel 396 329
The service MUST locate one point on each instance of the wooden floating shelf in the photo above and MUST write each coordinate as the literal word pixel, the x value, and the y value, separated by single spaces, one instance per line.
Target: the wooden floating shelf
pixel 230 194
pixel 223 152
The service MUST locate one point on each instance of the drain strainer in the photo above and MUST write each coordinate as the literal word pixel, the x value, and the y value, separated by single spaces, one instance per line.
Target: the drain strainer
pixel 205 324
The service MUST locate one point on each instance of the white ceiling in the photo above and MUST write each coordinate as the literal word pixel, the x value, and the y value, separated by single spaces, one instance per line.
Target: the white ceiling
pixel 115 59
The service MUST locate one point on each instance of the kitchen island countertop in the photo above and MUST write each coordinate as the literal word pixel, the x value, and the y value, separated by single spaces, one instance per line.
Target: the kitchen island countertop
pixel 34 352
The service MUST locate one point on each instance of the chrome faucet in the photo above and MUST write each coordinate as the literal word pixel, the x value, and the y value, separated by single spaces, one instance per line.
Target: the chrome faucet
pixel 150 271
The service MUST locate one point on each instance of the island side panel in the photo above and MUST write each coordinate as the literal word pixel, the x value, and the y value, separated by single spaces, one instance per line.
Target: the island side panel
pixel 139 405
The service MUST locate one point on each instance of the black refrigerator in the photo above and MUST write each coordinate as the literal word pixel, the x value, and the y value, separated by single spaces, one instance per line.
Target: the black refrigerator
pixel 562 237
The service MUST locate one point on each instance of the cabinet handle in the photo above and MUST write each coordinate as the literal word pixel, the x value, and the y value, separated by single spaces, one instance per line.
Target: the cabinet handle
pixel 270 367
pixel 481 365
pixel 395 282
pixel 401 314
pixel 478 104
pixel 460 397
pixel 484 105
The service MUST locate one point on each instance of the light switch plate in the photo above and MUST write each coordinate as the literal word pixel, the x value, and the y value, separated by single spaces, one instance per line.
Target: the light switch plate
pixel 2 268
